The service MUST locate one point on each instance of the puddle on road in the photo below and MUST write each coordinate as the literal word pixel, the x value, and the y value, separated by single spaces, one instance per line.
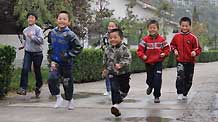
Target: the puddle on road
pixel 108 101
pixel 138 119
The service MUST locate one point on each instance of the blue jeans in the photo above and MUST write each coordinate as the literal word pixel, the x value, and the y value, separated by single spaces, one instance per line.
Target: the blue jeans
pixel 108 84
pixel 63 75
pixel 36 59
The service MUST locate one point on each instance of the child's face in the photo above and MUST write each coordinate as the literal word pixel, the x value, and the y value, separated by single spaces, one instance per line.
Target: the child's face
pixel 185 26
pixel 31 20
pixel 114 39
pixel 111 26
pixel 152 29
pixel 63 20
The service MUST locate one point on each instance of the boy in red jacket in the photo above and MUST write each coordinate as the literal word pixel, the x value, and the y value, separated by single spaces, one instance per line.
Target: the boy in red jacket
pixel 152 50
pixel 186 47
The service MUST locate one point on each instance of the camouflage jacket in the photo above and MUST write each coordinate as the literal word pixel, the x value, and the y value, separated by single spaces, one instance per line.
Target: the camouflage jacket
pixel 119 54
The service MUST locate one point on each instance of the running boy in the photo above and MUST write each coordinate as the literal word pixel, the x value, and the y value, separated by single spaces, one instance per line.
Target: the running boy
pixel 152 50
pixel 33 36
pixel 117 59
pixel 104 45
pixel 64 46
pixel 186 47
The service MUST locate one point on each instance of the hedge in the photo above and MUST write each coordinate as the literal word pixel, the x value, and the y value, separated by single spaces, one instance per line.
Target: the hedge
pixel 88 65
pixel 7 56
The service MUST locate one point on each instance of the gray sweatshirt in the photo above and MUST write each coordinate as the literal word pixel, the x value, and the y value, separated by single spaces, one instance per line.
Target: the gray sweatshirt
pixel 33 36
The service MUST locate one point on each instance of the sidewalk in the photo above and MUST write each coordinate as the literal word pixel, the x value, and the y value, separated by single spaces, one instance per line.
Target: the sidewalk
pixel 92 106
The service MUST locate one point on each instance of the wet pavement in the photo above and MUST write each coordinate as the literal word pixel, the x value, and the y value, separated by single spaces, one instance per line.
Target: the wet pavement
pixel 92 106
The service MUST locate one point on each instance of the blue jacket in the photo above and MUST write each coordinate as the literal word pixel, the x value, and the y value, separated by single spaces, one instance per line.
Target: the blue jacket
pixel 63 45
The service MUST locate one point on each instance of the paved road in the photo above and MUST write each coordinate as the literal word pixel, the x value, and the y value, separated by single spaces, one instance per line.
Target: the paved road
pixel 92 106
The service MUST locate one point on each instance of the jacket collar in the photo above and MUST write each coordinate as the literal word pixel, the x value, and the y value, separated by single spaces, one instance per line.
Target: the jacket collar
pixel 154 36
pixel 64 30
pixel 184 33
pixel 117 46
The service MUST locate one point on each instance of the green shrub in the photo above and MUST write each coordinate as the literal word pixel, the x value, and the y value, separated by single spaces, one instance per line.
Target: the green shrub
pixel 7 56
pixel 209 56
pixel 88 66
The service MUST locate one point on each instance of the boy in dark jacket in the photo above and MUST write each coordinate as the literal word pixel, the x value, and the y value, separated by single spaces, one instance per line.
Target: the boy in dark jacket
pixel 152 50
pixel 64 46
pixel 186 47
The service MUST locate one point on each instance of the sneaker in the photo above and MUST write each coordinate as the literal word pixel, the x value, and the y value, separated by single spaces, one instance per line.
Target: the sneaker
pixel 184 97
pixel 107 93
pixel 71 105
pixel 59 101
pixel 21 91
pixel 179 96
pixel 37 92
pixel 156 100
pixel 115 111
pixel 149 90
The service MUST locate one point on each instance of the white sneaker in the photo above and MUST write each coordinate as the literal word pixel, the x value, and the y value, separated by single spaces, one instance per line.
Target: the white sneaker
pixel 71 105
pixel 59 101
pixel 180 96
pixel 184 97
pixel 107 93
pixel 115 110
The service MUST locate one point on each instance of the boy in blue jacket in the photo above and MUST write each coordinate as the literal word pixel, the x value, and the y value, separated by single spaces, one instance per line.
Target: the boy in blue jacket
pixel 64 47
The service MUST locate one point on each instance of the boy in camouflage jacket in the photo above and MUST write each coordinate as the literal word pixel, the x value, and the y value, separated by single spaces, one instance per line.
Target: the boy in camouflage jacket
pixel 117 59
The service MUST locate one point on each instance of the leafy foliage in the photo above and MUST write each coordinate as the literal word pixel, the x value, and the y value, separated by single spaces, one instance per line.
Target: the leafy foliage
pixel 7 56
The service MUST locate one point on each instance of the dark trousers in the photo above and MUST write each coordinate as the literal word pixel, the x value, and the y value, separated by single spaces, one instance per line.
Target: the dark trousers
pixel 154 77
pixel 185 73
pixel 119 83
pixel 36 58
pixel 63 75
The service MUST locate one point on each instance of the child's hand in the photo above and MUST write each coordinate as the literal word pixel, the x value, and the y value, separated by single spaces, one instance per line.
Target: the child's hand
pixel 176 53
pixel 162 55
pixel 118 66
pixel 30 34
pixel 21 47
pixel 193 53
pixel 145 57
pixel 104 73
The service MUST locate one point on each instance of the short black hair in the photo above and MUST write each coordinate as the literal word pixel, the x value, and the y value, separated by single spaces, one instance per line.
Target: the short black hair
pixel 119 31
pixel 153 22
pixel 32 14
pixel 185 19
pixel 65 12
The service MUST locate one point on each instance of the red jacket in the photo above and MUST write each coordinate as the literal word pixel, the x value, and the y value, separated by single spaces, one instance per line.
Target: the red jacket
pixel 152 48
pixel 185 43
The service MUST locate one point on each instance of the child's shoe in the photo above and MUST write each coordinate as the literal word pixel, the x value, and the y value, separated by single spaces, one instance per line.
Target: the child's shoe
pixel 107 93
pixel 21 91
pixel 71 105
pixel 37 92
pixel 59 101
pixel 180 96
pixel 156 100
pixel 149 90
pixel 115 111
pixel 184 97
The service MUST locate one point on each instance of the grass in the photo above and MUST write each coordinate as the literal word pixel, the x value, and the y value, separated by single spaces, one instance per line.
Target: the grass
pixel 15 82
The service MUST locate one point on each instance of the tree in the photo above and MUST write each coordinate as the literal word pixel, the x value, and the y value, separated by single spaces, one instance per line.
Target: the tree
pixel 199 28
pixel 164 12
pixel 22 7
